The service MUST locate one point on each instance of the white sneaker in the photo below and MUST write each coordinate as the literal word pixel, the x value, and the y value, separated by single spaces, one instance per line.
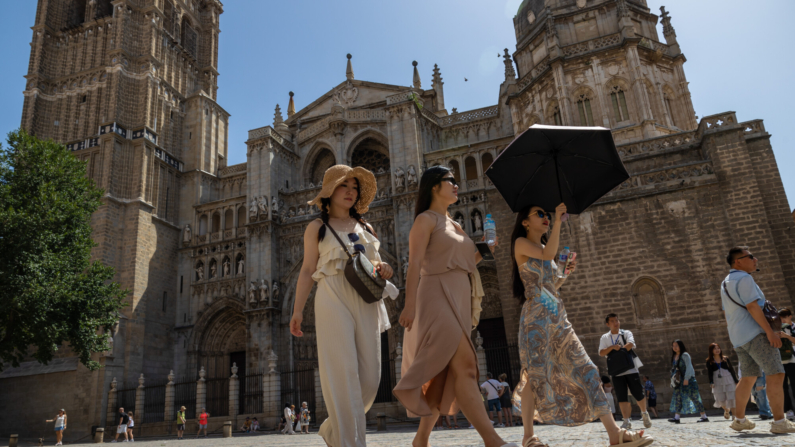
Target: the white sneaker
pixel 500 425
pixel 790 415
pixel 782 427
pixel 627 425
pixel 114 441
pixel 646 419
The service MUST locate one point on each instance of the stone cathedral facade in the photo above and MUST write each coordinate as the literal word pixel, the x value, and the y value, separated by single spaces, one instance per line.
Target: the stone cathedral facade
pixel 211 252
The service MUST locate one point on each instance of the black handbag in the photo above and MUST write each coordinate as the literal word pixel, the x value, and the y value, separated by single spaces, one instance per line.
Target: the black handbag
pixel 361 274
pixel 620 361
pixel 676 376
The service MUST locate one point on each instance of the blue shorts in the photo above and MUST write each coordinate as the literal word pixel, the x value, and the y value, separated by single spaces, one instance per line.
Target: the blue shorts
pixel 59 428
pixel 494 405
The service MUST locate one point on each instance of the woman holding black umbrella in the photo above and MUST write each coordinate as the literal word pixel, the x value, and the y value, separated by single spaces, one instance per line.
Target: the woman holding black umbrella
pixel 558 380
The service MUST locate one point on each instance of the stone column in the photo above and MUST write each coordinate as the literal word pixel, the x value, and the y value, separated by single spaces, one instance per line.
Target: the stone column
pixel 481 353
pixel 320 405
pixel 398 362
pixel 272 388
pixel 201 392
pixel 112 403
pixel 234 393
pixel 140 399
pixel 168 415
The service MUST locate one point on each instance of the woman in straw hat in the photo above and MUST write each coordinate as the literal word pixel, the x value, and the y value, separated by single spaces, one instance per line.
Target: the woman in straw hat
pixel 440 368
pixel 348 328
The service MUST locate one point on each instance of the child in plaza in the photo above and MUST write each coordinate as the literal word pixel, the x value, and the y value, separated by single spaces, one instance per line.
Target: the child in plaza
pixel 559 380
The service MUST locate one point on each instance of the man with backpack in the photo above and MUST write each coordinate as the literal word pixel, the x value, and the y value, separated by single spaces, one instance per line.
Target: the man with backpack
pixel 754 339
pixel 622 365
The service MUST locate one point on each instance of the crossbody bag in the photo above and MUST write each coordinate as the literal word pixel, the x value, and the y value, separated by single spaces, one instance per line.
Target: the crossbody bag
pixel 362 274
pixel 769 310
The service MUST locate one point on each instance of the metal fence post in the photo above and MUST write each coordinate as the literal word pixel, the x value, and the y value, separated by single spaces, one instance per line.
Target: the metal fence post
pixel 168 414
pixel 140 399
pixel 234 393
pixel 398 361
pixel 272 388
pixel 481 353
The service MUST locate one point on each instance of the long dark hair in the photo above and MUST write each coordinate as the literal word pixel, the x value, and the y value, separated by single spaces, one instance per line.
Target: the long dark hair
pixel 711 356
pixel 430 178
pixel 519 231
pixel 325 203
pixel 682 350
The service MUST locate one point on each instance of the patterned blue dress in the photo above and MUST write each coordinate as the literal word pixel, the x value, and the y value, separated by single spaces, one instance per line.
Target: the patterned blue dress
pixel 565 381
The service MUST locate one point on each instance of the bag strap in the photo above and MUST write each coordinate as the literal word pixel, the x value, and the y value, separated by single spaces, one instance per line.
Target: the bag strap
pixel 725 289
pixel 492 385
pixel 337 236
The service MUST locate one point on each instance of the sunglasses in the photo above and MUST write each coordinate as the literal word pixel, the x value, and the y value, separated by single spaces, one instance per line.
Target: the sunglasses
pixel 543 214
pixel 746 256
pixel 353 237
pixel 449 179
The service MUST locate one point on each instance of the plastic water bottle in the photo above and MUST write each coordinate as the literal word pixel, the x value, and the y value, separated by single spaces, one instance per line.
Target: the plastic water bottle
pixel 490 230
pixel 563 259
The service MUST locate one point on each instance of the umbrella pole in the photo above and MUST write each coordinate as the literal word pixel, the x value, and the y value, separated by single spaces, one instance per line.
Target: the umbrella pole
pixel 560 189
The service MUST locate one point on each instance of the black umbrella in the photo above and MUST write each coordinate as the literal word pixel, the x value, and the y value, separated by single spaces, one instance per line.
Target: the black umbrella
pixel 547 165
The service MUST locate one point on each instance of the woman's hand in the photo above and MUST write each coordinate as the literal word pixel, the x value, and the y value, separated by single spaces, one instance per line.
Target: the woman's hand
pixel 295 324
pixel 385 270
pixel 407 317
pixel 572 266
pixel 496 242
pixel 684 382
pixel 560 210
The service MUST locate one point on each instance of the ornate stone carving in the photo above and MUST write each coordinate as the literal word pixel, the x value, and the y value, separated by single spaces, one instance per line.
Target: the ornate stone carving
pixel 264 294
pixel 186 235
pixel 252 212
pixel 262 204
pixel 226 270
pixel 252 293
pixel 275 294
pixel 477 221
pixel 274 204
pixel 411 176
pixel 199 271
pixel 346 95
pixel 400 179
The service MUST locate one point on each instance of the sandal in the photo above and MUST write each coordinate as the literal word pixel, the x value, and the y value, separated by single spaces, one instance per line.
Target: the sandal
pixel 534 442
pixel 637 439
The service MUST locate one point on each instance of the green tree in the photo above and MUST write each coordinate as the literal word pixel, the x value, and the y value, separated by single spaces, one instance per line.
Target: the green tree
pixel 51 294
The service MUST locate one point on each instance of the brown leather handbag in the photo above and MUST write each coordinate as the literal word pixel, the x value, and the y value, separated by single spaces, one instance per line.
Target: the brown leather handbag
pixel 362 274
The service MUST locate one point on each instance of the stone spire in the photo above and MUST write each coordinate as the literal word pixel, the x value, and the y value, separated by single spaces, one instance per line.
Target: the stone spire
pixel 668 32
pixel 510 73
pixel 349 70
pixel 416 79
pixel 437 85
pixel 291 106
pixel 277 116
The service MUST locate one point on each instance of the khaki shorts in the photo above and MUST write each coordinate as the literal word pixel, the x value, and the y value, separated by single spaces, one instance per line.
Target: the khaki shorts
pixel 758 356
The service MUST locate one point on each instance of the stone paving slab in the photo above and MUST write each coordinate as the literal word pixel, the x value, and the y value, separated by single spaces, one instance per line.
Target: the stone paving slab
pixel 688 433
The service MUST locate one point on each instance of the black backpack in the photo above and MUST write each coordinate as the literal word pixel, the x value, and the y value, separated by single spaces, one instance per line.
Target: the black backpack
pixel 620 361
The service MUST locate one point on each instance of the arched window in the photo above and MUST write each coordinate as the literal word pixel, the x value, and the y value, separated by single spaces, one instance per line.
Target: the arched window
pixel 486 160
pixel 456 170
pixel 229 219
pixel 241 217
pixel 584 107
pixel 650 303
pixel 203 225
pixel 216 222
pixel 324 160
pixel 619 101
pixel 190 38
pixel 471 167
pixel 371 155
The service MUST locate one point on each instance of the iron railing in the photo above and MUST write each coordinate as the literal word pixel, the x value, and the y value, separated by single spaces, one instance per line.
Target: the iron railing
pixel 251 392
pixel 504 358
pixel 298 387
pixel 155 402
pixel 185 395
pixel 218 396
pixel 125 398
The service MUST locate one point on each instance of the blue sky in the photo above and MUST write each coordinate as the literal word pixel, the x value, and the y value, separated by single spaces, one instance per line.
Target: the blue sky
pixel 739 56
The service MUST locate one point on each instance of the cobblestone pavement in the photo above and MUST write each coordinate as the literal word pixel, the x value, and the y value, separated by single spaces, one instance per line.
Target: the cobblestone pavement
pixel 688 433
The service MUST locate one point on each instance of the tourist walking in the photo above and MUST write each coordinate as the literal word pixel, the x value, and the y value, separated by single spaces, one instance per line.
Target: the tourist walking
pixel 204 416
pixel 620 342
pixel 755 341
pixel 348 328
pixel 505 400
pixel 686 398
pixel 181 420
pixel 558 380
pixel 289 417
pixel 493 390
pixel 760 398
pixel 304 418
pixel 651 396
pixel 130 426
pixel 787 359
pixel 439 369
pixel 121 427
pixel 60 426
pixel 722 378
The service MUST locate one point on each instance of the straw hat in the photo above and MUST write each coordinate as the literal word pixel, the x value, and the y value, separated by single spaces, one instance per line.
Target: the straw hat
pixel 337 174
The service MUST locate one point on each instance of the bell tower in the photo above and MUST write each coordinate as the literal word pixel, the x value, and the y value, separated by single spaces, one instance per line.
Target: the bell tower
pixel 599 63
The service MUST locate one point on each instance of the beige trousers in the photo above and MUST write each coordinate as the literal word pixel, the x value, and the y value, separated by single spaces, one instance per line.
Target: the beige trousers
pixel 349 357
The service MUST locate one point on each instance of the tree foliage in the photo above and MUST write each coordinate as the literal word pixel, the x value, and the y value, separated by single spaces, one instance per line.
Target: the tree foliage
pixel 51 294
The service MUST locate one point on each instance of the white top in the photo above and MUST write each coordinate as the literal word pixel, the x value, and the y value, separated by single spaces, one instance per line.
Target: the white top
pixel 506 386
pixel 287 413
pixel 492 388
pixel 59 421
pixel 131 424
pixel 609 339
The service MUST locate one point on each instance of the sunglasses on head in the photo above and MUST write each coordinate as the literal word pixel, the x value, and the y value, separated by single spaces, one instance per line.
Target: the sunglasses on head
pixel 746 256
pixel 543 214
pixel 449 179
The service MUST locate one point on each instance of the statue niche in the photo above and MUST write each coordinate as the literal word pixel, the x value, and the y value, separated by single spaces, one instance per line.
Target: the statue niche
pixel 649 300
